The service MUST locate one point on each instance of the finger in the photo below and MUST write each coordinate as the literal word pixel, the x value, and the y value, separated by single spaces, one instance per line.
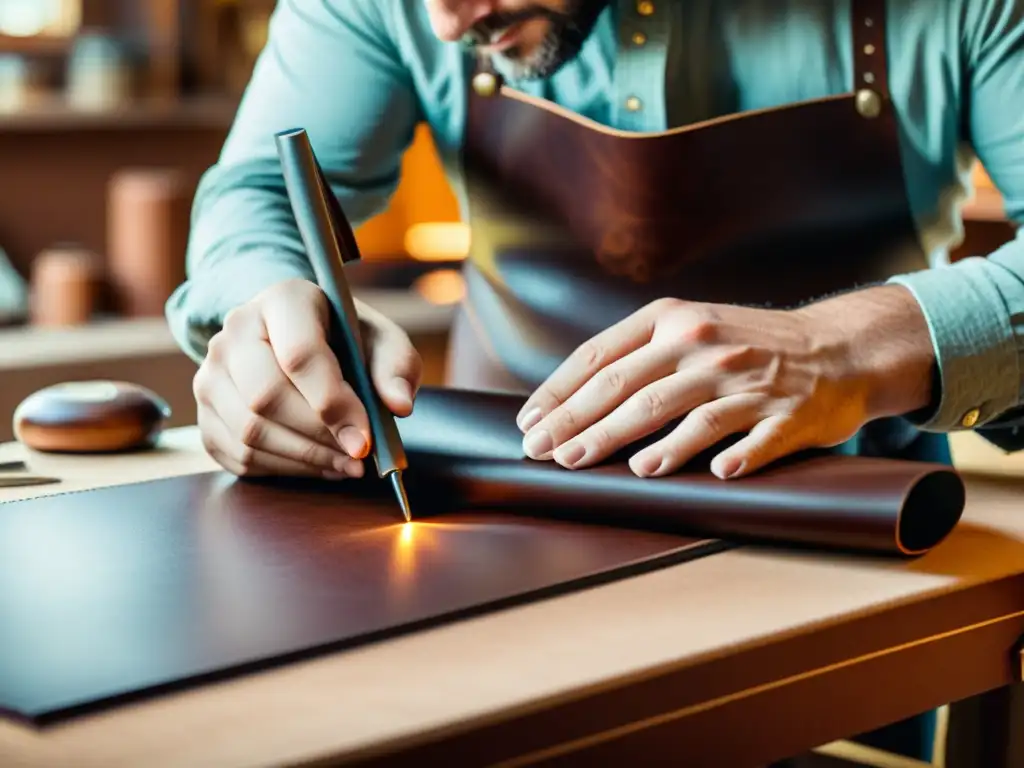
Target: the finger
pixel 395 366
pixel 266 391
pixel 771 439
pixel 258 441
pixel 586 360
pixel 216 439
pixel 244 461
pixel 645 411
pixel 702 428
pixel 585 412
pixel 298 338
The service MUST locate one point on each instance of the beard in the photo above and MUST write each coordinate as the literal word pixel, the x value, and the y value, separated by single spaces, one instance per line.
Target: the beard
pixel 568 30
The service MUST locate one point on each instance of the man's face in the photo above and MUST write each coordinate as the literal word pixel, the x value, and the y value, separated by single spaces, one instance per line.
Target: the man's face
pixel 535 36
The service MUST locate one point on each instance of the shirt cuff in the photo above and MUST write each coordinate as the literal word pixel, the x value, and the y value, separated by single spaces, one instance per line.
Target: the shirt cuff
pixel 975 348
pixel 196 310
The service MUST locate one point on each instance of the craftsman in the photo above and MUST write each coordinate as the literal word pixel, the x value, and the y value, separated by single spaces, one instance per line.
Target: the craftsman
pixel 777 271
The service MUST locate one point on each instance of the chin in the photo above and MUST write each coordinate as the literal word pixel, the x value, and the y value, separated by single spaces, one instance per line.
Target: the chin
pixel 541 60
pixel 546 44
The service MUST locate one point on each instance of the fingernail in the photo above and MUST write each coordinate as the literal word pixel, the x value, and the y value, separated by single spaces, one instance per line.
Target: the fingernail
pixel 353 442
pixel 529 420
pixel 402 389
pixel 570 455
pixel 536 444
pixel 647 464
pixel 727 468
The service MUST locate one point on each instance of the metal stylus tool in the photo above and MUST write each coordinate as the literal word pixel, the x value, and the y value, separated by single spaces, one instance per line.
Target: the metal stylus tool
pixel 330 243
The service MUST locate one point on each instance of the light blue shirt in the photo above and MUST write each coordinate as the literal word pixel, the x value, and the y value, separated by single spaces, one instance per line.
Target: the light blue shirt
pixel 360 74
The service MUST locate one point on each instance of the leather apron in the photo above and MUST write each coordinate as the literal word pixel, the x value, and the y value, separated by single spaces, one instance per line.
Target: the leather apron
pixel 575 225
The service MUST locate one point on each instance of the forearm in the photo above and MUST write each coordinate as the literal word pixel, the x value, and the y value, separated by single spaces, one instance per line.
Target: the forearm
pixel 243 237
pixel 242 241
pixel 975 307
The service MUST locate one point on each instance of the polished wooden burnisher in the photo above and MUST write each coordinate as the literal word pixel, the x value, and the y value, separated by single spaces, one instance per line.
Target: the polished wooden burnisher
pixel 91 417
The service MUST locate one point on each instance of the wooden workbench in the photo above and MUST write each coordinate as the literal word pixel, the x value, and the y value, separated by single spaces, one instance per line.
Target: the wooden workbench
pixel 733 660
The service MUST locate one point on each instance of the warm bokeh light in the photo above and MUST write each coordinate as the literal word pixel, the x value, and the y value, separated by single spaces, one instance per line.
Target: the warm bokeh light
pixel 442 287
pixel 26 18
pixel 437 241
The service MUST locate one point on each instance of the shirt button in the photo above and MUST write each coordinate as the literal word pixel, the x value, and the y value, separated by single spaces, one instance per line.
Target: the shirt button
pixel 645 7
pixel 639 38
pixel 971 418
pixel 633 104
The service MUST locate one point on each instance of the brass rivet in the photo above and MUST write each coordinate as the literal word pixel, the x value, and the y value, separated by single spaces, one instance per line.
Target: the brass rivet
pixel 485 83
pixel 869 104
pixel 645 7
pixel 869 49
pixel 971 418
pixel 639 38
pixel 869 77
pixel 869 22
pixel 633 104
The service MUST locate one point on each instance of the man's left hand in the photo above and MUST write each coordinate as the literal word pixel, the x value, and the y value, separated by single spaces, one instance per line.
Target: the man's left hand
pixel 787 380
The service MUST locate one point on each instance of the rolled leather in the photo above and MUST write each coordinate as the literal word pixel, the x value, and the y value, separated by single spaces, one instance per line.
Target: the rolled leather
pixel 465 452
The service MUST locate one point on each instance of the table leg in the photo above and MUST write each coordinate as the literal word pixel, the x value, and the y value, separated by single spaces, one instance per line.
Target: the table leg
pixel 987 730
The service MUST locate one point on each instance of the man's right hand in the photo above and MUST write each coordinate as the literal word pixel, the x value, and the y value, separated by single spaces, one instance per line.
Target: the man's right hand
pixel 270 394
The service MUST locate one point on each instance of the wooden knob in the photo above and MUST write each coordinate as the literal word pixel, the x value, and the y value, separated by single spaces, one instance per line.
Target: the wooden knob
pixel 91 417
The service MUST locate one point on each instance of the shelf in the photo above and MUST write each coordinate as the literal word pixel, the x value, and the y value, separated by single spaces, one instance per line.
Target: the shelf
pixel 31 347
pixel 37 45
pixel 57 115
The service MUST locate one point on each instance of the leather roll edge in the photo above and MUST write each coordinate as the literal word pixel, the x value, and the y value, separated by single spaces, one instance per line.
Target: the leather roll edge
pixel 931 508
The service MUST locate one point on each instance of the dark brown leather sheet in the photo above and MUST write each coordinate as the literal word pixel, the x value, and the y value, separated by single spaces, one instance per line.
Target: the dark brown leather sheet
pixel 115 593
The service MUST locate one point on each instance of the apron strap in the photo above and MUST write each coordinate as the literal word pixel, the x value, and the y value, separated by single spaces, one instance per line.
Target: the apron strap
pixel 870 64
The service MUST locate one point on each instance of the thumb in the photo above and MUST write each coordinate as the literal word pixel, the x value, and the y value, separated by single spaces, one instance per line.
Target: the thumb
pixel 396 368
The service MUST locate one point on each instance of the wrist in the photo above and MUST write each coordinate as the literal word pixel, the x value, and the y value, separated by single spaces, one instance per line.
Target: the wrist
pixel 886 346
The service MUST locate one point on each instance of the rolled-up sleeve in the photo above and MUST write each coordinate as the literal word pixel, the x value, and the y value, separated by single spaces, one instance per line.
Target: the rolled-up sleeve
pixel 975 307
pixel 331 67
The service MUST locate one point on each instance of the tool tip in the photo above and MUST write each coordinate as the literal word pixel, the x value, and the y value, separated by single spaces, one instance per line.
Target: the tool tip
pixel 403 499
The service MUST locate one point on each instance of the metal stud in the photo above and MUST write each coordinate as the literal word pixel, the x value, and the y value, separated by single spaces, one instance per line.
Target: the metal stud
pixel 485 83
pixel 971 418
pixel 869 103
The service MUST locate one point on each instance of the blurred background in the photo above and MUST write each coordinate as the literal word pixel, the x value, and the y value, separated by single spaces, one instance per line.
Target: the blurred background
pixel 110 110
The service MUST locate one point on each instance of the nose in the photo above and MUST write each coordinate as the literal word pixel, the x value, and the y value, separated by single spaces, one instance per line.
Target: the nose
pixel 451 19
